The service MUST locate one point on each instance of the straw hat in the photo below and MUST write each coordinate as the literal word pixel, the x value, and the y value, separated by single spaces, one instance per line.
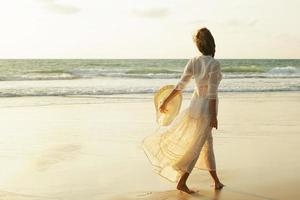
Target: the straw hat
pixel 173 107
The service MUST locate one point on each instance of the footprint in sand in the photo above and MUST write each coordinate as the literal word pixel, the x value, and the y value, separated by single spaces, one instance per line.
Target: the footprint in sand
pixel 143 194
pixel 158 195
pixel 57 154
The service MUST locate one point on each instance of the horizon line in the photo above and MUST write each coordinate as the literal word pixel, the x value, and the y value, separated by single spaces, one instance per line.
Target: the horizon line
pixel 153 58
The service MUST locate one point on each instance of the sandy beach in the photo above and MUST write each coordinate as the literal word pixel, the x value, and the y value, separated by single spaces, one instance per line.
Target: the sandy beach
pixel 89 148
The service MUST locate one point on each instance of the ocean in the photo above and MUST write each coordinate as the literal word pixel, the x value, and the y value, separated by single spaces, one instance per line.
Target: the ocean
pixel 67 77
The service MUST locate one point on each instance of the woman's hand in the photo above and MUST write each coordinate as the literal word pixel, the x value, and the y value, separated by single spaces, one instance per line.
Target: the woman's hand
pixel 214 122
pixel 163 107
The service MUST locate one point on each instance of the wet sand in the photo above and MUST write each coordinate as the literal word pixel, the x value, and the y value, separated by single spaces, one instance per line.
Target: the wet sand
pixel 76 148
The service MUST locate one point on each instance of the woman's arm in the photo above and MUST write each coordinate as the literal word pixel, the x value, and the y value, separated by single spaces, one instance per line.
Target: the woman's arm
pixel 213 113
pixel 184 80
pixel 214 79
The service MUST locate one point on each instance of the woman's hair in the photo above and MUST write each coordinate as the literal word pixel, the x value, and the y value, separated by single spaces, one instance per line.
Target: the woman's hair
pixel 205 42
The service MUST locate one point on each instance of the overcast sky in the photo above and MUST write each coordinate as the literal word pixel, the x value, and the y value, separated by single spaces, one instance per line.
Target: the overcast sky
pixel 148 28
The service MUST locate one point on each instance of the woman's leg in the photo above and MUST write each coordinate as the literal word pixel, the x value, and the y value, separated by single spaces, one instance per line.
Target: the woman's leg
pixel 218 184
pixel 208 158
pixel 182 184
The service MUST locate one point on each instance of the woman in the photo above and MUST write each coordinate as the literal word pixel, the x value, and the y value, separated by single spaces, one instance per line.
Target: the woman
pixel 187 142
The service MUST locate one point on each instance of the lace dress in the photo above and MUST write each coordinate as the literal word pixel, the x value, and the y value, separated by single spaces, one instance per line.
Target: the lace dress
pixel 187 142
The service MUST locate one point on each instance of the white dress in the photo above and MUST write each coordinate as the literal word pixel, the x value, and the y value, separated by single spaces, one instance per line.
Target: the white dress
pixel 187 142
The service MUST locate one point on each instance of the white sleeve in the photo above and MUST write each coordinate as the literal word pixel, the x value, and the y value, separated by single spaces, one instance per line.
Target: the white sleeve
pixel 186 75
pixel 214 78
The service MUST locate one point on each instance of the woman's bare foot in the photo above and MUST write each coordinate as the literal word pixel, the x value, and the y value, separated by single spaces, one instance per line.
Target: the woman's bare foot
pixel 218 186
pixel 184 188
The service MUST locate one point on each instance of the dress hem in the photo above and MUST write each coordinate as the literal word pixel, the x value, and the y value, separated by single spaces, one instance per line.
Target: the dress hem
pixel 179 171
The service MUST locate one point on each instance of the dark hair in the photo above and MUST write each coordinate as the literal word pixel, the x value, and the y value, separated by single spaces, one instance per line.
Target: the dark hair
pixel 205 42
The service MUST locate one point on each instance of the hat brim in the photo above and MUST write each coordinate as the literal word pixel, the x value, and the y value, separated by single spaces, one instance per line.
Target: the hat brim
pixel 173 107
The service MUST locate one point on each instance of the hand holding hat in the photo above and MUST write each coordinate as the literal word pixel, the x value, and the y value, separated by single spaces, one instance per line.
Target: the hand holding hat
pixel 163 107
pixel 166 111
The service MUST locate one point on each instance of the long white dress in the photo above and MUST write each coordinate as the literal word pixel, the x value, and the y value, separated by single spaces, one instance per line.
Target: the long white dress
pixel 187 142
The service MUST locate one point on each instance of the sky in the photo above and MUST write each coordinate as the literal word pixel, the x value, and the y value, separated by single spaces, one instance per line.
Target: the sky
pixel 148 28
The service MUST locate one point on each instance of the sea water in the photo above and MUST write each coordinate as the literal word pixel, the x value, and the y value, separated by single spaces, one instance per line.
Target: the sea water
pixel 62 77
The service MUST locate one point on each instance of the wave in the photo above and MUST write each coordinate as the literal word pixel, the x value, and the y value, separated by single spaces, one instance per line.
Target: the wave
pixel 38 78
pixel 75 93
pixel 256 69
pixel 150 73
pixel 78 92
pixel 284 70
pixel 259 76
pixel 243 69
